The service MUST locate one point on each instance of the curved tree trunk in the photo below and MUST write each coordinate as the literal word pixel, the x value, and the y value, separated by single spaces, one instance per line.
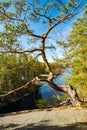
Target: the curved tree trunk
pixel 69 90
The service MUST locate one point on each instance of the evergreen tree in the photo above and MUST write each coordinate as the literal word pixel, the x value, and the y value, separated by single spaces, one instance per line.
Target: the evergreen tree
pixel 77 52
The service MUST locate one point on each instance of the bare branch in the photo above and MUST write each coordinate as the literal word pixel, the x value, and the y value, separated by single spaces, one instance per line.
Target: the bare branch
pixel 61 88
pixel 21 52
pixel 20 88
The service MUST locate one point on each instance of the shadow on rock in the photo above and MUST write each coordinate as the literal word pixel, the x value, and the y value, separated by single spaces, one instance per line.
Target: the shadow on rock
pixel 32 126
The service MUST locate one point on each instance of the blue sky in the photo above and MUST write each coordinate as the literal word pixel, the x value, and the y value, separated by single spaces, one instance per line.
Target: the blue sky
pixel 59 33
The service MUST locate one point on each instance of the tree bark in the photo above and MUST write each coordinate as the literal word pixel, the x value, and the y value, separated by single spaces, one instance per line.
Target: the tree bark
pixel 69 90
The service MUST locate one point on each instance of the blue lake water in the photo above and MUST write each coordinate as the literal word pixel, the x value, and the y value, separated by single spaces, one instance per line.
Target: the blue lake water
pixel 46 91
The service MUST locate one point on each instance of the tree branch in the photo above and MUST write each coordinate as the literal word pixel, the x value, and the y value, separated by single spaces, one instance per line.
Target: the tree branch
pixel 12 18
pixel 21 52
pixel 20 88
pixel 77 6
pixel 69 90
pixel 31 33
pixel 43 15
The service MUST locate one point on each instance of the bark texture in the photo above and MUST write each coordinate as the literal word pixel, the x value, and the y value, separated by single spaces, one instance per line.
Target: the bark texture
pixel 69 90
